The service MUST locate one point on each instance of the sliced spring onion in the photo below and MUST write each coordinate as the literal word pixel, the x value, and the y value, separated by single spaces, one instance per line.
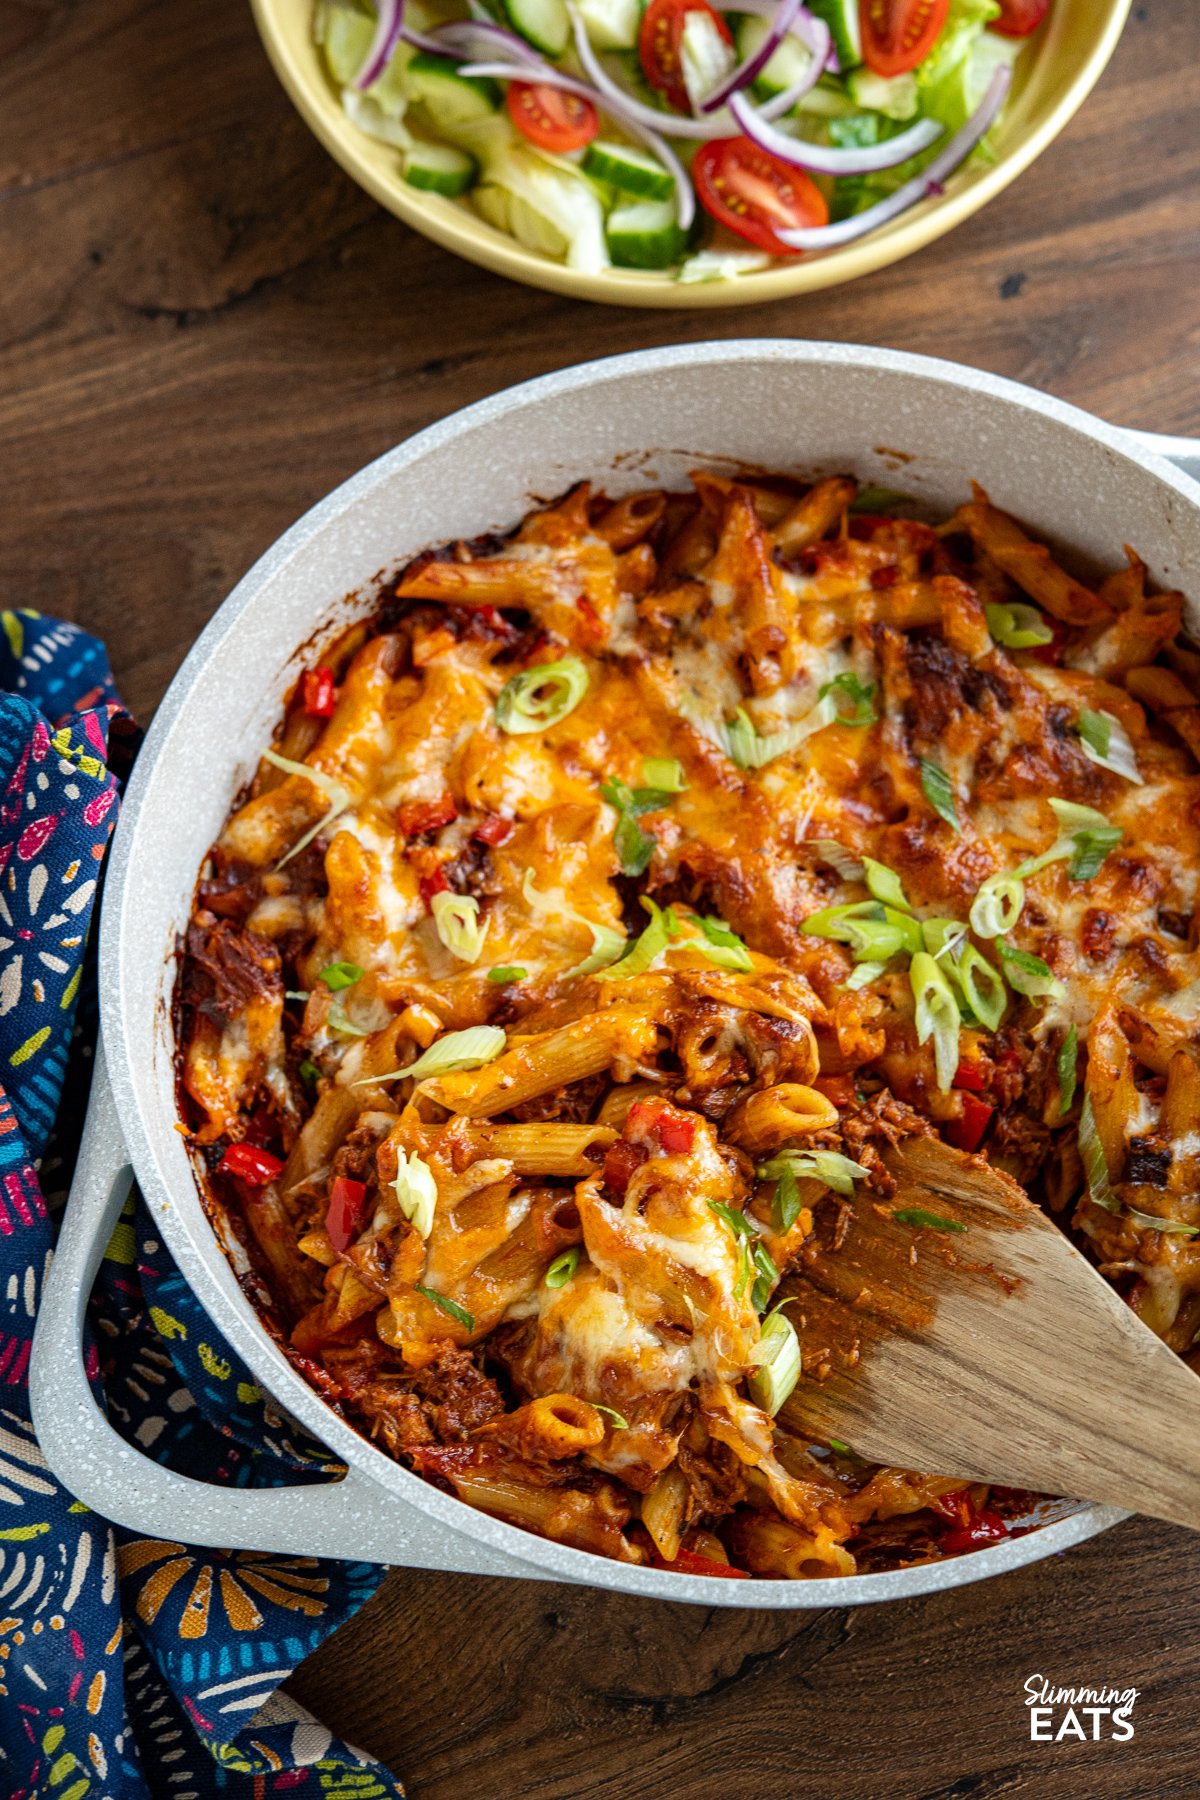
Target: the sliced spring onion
pixel 504 972
pixel 982 986
pixel 838 857
pixel 768 1275
pixel 885 884
pixel 1028 974
pixel 916 1215
pixel 620 1422
pixel 607 944
pixel 445 1305
pixel 863 974
pixel 749 750
pixel 785 1204
pixel 340 975
pixel 664 773
pixel 721 945
pixel 997 905
pixel 1151 1222
pixel 942 937
pixel 473 1048
pixel 1068 1059
pixel 1106 742
pixel 1017 626
pixel 859 695
pixel 1091 849
pixel 296 994
pixel 541 696
pixel 777 1355
pixel 1094 1161
pixel 649 946
pixel 309 1072
pixel 563 1267
pixel 456 917
pixel 416 1191
pixel 1085 840
pixel 936 1016
pixel 939 791
pixel 634 847
pixel 830 1166
pixel 337 1021
pixel 339 798
pixel 834 921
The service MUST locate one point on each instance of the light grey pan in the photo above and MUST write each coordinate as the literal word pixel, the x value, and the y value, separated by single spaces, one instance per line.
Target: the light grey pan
pixel 924 426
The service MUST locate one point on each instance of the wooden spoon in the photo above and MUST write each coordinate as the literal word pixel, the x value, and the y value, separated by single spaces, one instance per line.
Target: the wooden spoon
pixel 994 1353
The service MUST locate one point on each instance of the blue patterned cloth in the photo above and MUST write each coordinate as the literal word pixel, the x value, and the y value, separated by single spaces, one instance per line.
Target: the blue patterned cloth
pixel 130 1668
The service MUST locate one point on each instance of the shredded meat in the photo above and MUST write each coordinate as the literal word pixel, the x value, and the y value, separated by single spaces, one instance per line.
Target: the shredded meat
pixel 460 1396
pixel 228 967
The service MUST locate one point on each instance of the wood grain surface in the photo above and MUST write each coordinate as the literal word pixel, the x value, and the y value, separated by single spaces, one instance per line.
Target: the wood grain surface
pixel 204 327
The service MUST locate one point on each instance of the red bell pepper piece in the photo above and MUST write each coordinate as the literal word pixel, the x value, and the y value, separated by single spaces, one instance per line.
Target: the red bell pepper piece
pixel 347 1199
pixel 429 885
pixel 493 830
pixel 1052 652
pixel 966 1132
pixel 250 1164
pixel 969 1075
pixel 986 1527
pixel 674 1130
pixel 690 1562
pixel 320 692
pixel 426 815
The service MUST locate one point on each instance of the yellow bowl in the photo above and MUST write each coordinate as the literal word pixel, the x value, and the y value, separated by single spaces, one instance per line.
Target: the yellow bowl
pixel 1055 76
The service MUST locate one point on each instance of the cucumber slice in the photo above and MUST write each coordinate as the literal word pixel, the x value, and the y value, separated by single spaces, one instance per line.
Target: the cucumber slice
pixel 645 234
pixel 439 169
pixel 841 16
pixel 631 171
pixel 612 24
pixel 896 96
pixel 450 99
pixel 786 66
pixel 828 100
pixel 543 23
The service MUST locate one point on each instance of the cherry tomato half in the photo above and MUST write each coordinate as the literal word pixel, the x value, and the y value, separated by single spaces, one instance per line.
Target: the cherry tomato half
pixel 898 34
pixel 755 194
pixel 550 118
pixel 1019 17
pixel 659 45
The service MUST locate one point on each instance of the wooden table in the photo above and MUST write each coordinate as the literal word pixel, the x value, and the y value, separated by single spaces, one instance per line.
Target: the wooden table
pixel 203 327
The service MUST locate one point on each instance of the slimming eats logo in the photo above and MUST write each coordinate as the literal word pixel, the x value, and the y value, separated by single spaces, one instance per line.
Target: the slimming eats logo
pixel 1058 1713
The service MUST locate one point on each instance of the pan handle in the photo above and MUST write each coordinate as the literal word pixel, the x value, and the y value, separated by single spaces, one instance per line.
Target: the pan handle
pixel 354 1518
pixel 1184 452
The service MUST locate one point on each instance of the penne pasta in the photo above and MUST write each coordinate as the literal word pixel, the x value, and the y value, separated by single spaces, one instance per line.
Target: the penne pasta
pixel 563 981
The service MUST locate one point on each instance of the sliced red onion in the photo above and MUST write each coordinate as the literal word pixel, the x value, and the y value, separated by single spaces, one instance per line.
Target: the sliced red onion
pixel 390 17
pixel 536 73
pixel 745 72
pixel 828 237
pixel 477 36
pixel 814 31
pixel 421 40
pixel 821 160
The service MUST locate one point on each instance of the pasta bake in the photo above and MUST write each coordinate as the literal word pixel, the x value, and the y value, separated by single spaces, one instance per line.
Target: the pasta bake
pixel 607 906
